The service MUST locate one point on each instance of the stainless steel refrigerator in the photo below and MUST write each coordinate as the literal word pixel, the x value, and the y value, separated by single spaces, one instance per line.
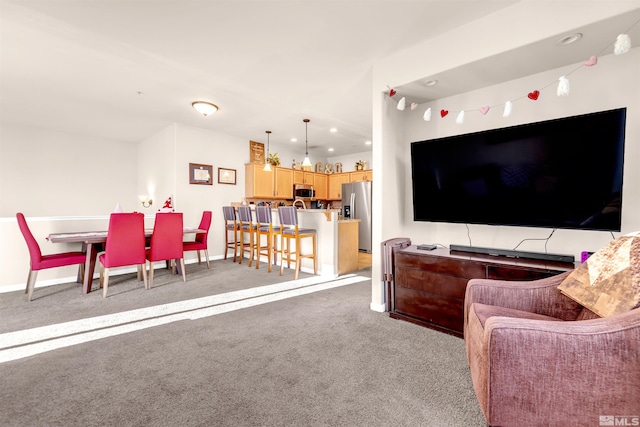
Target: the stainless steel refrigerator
pixel 356 204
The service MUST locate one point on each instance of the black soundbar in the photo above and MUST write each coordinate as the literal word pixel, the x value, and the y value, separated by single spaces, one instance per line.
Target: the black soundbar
pixel 513 254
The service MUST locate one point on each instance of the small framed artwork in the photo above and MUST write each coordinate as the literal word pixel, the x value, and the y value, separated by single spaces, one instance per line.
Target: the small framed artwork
pixel 226 176
pixel 256 152
pixel 200 174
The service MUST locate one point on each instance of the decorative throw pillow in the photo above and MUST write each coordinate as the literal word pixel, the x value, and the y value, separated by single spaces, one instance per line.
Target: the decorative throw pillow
pixel 608 283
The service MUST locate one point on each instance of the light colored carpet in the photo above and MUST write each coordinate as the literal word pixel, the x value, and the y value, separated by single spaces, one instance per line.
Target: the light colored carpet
pixel 319 359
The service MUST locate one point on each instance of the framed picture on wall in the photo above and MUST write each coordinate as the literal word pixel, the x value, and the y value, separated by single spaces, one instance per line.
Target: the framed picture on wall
pixel 200 174
pixel 226 176
pixel 256 152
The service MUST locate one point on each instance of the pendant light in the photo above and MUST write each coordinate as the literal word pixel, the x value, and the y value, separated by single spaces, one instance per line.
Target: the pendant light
pixel 267 165
pixel 306 161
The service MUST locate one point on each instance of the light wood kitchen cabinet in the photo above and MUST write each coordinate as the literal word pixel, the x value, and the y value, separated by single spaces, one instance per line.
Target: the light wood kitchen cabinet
pixel 303 177
pixel 320 186
pixel 257 182
pixel 283 183
pixel 335 185
pixel 276 184
pixel 364 175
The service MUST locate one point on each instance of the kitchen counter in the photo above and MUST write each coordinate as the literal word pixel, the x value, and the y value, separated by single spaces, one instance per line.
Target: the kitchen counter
pixel 337 240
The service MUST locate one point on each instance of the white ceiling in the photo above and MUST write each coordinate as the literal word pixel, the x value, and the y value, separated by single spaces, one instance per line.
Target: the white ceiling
pixel 124 70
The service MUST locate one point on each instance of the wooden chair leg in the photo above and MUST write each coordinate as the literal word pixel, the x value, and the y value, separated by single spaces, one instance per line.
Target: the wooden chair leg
pixel 226 242
pixel 206 254
pixel 31 283
pixel 269 251
pixel 315 257
pixel 106 281
pixel 283 253
pixel 295 274
pixel 143 268
pixel 241 243
pixel 150 275
pixel 235 244
pixel 199 259
pixel 184 271
pixel 252 246
pixel 258 249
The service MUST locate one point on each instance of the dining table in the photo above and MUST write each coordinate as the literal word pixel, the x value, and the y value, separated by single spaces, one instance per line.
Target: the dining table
pixel 92 243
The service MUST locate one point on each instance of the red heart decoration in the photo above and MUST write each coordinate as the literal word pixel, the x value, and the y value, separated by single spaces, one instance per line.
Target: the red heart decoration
pixel 392 92
pixel 444 113
pixel 534 95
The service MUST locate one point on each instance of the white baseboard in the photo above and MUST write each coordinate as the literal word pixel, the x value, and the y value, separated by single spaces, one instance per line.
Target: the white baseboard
pixel 380 308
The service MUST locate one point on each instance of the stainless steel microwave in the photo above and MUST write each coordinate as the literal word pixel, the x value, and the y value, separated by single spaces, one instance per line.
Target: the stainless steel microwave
pixel 303 191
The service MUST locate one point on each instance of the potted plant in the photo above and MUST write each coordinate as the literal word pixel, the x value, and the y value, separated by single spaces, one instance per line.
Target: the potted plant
pixel 273 159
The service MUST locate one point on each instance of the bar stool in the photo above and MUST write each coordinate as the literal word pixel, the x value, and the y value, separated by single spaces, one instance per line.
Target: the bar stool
pixel 290 231
pixel 230 225
pixel 246 226
pixel 264 227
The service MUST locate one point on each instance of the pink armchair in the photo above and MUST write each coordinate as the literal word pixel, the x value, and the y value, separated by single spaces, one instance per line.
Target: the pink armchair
pixel 538 358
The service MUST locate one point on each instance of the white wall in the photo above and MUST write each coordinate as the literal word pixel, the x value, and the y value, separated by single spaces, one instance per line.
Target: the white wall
pixel 612 83
pixel 349 160
pixel 49 173
pixel 195 145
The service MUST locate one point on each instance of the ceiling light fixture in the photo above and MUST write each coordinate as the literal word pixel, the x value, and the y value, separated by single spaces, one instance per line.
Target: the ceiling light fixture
pixel 267 165
pixel 204 108
pixel 306 161
pixel 429 83
pixel 571 38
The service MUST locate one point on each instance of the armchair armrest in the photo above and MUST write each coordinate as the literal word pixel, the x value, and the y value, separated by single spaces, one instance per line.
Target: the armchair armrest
pixel 574 370
pixel 536 296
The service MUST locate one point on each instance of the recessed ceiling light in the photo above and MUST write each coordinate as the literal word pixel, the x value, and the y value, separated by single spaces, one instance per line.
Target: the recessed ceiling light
pixel 294 139
pixel 367 142
pixel 429 83
pixel 330 149
pixel 571 38
pixel 333 130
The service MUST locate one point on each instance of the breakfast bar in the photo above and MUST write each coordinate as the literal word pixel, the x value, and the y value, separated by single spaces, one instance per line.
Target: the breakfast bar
pixel 337 243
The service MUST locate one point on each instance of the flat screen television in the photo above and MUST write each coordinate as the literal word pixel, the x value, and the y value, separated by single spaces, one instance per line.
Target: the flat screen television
pixel 561 173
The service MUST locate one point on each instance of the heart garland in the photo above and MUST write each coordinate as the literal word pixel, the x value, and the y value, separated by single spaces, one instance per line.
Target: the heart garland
pixel 622 45
pixel 591 61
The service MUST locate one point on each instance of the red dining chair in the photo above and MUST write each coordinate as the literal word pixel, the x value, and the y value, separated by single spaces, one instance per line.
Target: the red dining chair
pixel 200 243
pixel 125 245
pixel 42 262
pixel 166 242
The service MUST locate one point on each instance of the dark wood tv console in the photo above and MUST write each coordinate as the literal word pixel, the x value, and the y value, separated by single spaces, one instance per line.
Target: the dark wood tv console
pixel 428 286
